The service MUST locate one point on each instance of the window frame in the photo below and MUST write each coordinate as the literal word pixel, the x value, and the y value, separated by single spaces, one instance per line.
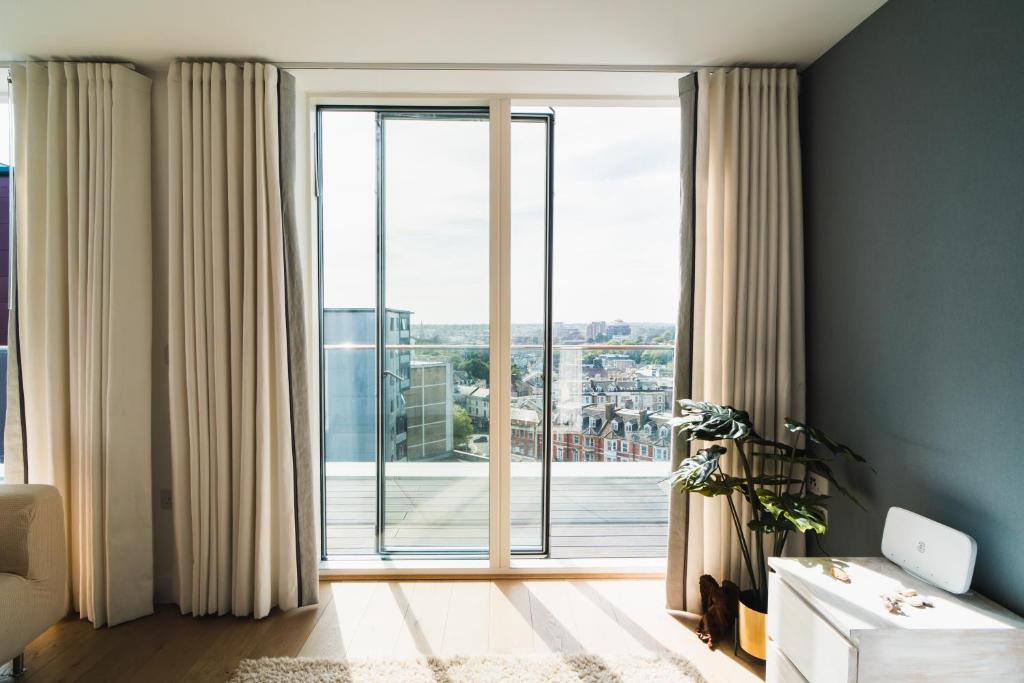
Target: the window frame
pixel 499 92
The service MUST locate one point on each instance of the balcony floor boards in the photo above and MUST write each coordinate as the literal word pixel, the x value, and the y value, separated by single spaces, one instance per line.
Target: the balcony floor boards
pixel 599 517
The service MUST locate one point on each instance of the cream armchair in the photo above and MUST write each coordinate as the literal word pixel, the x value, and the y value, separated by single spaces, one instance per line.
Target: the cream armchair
pixel 33 567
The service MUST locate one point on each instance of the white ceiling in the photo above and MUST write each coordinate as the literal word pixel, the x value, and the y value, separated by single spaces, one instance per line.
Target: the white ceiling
pixel 685 32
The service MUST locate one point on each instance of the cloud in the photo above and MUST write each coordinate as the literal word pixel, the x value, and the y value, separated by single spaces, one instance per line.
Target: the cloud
pixel 615 225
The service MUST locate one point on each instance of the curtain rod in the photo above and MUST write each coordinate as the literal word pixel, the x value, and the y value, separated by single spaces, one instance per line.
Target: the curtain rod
pixel 459 66
pixel 481 66
pixel 504 66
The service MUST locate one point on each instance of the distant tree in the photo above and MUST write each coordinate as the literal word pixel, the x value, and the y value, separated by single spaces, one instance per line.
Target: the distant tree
pixel 476 368
pixel 462 427
pixel 634 354
pixel 656 357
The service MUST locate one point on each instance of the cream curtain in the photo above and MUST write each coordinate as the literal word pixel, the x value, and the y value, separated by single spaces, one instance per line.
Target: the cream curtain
pixel 243 519
pixel 745 262
pixel 81 329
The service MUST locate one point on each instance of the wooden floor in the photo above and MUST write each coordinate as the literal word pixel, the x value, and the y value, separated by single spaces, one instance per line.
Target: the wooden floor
pixel 387 619
pixel 591 517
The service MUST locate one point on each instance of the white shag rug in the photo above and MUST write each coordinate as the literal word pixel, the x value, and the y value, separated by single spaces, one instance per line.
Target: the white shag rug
pixel 586 668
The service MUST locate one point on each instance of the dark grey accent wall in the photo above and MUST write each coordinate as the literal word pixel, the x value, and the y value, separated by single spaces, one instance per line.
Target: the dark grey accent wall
pixel 913 145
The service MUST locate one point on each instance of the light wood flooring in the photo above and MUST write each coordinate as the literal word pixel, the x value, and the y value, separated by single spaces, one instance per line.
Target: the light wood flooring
pixel 387 619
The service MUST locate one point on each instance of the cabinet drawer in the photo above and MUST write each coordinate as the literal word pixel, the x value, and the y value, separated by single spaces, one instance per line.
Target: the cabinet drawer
pixel 819 652
pixel 779 669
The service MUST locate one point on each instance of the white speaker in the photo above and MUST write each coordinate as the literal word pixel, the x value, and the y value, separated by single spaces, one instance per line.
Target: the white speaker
pixel 933 552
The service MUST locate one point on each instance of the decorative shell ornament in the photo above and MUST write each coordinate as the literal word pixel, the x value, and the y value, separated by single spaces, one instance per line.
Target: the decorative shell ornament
pixel 894 601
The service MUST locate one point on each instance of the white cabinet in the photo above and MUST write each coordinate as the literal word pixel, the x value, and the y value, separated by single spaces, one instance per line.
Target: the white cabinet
pixel 824 630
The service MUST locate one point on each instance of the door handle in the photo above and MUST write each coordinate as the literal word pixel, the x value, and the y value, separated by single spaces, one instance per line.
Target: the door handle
pixel 388 373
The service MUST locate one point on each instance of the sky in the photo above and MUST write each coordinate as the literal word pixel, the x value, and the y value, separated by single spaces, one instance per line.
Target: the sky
pixel 616 215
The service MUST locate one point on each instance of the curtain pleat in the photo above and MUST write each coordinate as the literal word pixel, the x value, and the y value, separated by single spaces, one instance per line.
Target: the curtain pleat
pixel 679 502
pixel 82 321
pixel 244 540
pixel 307 550
pixel 746 270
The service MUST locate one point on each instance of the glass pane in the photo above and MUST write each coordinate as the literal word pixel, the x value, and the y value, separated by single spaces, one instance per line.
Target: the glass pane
pixel 436 388
pixel 615 272
pixel 529 217
pixel 349 206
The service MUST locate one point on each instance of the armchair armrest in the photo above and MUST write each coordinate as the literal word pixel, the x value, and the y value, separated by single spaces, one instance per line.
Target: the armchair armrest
pixel 32 543
pixel 33 564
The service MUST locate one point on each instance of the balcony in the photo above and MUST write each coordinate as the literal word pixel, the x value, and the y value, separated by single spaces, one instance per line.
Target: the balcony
pixel 436 450
pixel 598 510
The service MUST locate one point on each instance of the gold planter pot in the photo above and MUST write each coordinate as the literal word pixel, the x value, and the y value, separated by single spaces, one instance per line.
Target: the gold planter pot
pixel 752 631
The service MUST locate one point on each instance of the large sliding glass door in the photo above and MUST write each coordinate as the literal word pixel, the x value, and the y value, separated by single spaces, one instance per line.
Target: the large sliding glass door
pixel 615 287
pixel 404 232
pixel 529 334
pixel 434 226
pixel 444 247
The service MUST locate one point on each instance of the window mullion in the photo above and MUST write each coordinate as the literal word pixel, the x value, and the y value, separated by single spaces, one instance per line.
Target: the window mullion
pixel 500 335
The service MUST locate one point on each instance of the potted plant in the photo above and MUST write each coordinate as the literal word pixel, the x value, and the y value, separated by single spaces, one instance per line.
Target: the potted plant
pixel 773 478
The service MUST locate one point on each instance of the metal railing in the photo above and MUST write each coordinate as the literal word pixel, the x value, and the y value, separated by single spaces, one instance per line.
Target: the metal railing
pixel 455 347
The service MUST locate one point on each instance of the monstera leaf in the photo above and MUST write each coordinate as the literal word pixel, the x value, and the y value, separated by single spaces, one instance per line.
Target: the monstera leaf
pixel 695 470
pixel 715 486
pixel 769 525
pixel 712 422
pixel 804 512
pixel 820 437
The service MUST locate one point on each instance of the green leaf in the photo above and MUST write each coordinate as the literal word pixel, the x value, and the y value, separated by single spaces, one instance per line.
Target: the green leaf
pixel 820 437
pixel 696 469
pixel 713 487
pixel 713 422
pixel 804 512
pixel 770 525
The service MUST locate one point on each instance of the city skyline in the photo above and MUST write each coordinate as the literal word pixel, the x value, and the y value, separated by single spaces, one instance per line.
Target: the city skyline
pixel 440 419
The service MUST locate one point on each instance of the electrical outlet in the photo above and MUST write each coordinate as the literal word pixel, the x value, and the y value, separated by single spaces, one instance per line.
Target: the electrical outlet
pixel 165 499
pixel 817 485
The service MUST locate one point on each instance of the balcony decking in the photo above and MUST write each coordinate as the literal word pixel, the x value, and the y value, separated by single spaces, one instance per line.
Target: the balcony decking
pixel 597 510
